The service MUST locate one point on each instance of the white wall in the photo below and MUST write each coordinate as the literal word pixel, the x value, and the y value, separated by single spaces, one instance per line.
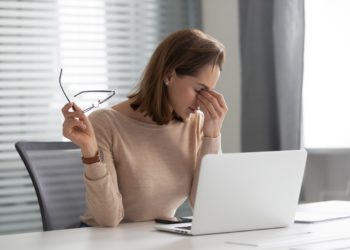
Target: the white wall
pixel 220 19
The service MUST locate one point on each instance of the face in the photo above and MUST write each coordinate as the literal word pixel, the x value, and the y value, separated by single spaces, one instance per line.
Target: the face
pixel 183 90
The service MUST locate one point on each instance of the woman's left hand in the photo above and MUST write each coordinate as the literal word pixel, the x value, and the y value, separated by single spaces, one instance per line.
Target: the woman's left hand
pixel 214 108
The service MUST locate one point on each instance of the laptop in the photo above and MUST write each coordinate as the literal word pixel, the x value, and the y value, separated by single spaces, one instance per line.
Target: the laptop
pixel 245 191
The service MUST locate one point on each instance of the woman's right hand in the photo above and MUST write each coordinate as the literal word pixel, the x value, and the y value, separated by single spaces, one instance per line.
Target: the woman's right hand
pixel 79 130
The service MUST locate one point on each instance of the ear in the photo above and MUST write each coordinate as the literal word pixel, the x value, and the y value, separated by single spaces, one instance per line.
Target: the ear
pixel 170 78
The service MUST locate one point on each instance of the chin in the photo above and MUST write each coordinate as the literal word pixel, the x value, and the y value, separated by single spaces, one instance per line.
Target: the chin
pixel 186 115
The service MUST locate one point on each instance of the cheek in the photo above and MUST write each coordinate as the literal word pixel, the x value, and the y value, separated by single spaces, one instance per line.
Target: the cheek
pixel 183 94
pixel 190 96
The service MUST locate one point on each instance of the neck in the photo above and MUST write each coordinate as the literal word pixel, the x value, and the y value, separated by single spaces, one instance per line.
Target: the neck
pixel 138 114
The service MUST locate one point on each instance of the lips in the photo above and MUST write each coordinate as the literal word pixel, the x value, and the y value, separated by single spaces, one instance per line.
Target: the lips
pixel 193 110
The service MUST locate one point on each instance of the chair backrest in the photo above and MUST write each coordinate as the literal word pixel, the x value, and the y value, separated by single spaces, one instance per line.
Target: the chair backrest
pixel 57 173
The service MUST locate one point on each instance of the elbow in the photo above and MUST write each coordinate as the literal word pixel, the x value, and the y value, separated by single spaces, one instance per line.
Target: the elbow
pixel 110 215
pixel 111 218
pixel 110 221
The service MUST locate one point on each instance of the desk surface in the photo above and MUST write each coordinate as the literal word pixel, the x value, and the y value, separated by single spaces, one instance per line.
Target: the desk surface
pixel 142 236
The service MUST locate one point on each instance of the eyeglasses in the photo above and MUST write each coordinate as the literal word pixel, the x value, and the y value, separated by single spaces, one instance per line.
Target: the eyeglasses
pixel 94 105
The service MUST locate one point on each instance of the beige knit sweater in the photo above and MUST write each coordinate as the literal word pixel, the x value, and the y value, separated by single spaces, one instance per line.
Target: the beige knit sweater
pixel 148 170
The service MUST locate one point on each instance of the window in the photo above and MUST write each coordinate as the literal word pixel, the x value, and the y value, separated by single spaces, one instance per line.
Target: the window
pixel 100 44
pixel 326 102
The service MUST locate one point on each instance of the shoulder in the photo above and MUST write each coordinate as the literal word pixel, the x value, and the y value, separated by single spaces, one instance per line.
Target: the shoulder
pixel 102 118
pixel 101 114
pixel 104 124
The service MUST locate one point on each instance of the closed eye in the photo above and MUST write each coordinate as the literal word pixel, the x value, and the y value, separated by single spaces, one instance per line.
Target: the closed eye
pixel 199 90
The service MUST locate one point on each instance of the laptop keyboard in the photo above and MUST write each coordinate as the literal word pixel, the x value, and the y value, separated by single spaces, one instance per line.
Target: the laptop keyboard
pixel 188 227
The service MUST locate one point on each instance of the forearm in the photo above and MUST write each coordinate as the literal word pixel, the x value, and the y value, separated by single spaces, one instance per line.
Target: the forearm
pixel 208 146
pixel 103 199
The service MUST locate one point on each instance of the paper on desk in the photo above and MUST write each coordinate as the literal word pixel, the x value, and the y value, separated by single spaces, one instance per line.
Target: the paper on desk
pixel 281 238
pixel 266 237
pixel 328 245
pixel 308 217
pixel 322 211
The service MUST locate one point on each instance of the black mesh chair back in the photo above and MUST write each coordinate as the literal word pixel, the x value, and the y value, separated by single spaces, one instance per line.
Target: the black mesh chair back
pixel 56 171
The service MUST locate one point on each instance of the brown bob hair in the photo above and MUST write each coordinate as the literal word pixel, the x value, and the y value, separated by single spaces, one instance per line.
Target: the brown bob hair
pixel 185 52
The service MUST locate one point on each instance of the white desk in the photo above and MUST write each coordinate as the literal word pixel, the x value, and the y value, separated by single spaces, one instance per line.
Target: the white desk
pixel 140 236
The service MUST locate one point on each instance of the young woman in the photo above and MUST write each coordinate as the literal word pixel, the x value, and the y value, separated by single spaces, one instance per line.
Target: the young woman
pixel 142 156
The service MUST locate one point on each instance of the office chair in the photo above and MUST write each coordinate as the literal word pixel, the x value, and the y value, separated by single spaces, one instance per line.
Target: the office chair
pixel 56 171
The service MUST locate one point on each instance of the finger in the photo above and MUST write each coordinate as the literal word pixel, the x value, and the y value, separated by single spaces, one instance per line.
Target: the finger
pixel 220 98
pixel 70 124
pixel 79 115
pixel 202 107
pixel 210 99
pixel 65 108
pixel 75 114
pixel 206 105
pixel 78 109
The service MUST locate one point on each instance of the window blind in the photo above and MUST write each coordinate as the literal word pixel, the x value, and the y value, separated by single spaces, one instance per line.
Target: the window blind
pixel 100 44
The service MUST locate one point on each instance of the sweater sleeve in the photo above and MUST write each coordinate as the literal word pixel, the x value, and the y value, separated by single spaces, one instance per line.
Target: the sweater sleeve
pixel 207 145
pixel 103 199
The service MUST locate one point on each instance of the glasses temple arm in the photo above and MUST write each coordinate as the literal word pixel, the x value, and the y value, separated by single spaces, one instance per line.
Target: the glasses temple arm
pixel 108 97
pixel 96 91
pixel 59 80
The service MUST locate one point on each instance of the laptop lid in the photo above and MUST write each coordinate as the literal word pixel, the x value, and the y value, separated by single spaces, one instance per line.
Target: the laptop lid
pixel 247 191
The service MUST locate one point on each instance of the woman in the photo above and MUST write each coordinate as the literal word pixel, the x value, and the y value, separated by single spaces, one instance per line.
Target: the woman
pixel 141 156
